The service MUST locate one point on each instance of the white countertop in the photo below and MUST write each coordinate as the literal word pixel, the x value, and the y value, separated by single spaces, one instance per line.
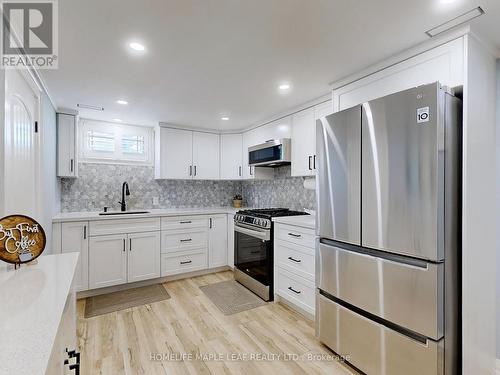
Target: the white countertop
pixel 76 216
pixel 32 302
pixel 305 221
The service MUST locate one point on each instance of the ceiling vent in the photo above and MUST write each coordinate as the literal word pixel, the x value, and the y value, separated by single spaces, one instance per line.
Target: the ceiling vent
pixel 457 21
pixel 88 106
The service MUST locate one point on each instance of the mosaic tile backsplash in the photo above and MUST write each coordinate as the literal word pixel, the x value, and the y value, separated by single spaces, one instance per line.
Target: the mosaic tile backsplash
pixel 99 185
pixel 283 191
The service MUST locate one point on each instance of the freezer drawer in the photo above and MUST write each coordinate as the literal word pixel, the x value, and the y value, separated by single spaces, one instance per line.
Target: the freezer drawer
pixel 338 146
pixel 372 347
pixel 408 295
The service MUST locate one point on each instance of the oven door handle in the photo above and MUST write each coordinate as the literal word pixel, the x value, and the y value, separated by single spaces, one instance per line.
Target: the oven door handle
pixel 254 233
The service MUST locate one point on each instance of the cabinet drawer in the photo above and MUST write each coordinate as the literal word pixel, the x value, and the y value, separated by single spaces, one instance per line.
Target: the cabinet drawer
pixel 405 294
pixel 129 225
pixel 181 240
pixel 184 222
pixel 295 289
pixel 296 235
pixel 359 339
pixel 184 262
pixel 295 258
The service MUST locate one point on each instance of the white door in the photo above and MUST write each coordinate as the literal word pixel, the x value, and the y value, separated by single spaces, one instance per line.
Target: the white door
pixel 107 260
pixel 206 156
pixel 176 153
pixel 74 239
pixel 21 145
pixel 231 146
pixel 143 256
pixel 303 143
pixel 217 235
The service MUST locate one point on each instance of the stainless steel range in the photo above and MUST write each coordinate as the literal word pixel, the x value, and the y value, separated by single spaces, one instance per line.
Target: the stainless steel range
pixel 253 248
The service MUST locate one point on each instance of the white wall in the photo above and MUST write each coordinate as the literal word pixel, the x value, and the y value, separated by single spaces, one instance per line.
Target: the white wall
pixel 498 207
pixel 49 183
pixel 479 211
pixel 2 141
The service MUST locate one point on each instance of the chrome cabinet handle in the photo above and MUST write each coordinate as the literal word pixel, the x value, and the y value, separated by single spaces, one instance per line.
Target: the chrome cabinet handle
pixel 185 222
pixel 130 244
pixel 124 245
pixel 314 162
pixel 187 240
pixel 310 160
pixel 186 262
pixel 239 171
pixel 195 170
pixel 190 170
pixel 71 165
pixel 84 232
pixel 294 260
pixel 251 174
pixel 294 235
pixel 210 226
pixel 293 290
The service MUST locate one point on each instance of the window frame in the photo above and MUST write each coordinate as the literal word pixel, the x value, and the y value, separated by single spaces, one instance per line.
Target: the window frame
pixel 119 131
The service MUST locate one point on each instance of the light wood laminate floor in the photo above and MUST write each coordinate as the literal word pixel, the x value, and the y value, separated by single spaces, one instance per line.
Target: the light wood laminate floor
pixel 187 334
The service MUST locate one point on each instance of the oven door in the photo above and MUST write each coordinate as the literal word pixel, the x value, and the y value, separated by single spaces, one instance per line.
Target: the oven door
pixel 253 252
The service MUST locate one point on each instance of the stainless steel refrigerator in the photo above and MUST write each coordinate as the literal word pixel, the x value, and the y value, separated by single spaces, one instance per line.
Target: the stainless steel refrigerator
pixel 388 251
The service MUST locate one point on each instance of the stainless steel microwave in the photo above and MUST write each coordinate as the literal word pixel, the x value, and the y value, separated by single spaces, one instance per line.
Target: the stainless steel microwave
pixel 273 153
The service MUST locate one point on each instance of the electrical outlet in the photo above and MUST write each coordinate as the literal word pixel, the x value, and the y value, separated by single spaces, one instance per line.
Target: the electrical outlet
pixel 156 201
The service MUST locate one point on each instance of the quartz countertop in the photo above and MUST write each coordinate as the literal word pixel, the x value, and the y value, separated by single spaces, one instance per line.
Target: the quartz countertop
pixel 94 215
pixel 32 301
pixel 305 221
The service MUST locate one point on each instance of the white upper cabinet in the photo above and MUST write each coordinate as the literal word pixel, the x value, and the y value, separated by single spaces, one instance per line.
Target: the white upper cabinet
pixel 184 154
pixel 231 156
pixel 303 143
pixel 206 156
pixel 304 138
pixel 174 153
pixel 66 145
pixel 322 110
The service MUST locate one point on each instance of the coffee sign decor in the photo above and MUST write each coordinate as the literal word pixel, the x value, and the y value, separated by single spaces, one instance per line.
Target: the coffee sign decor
pixel 22 239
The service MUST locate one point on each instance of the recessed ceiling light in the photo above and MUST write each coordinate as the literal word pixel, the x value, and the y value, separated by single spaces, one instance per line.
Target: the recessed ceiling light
pixel 117 119
pixel 446 1
pixel 122 102
pixel 224 118
pixel 284 86
pixel 137 46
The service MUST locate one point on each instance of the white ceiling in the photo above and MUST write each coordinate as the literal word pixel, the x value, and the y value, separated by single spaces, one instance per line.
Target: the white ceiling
pixel 208 58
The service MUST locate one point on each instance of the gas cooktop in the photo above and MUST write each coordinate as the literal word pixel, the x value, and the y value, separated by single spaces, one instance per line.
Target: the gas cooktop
pixel 271 212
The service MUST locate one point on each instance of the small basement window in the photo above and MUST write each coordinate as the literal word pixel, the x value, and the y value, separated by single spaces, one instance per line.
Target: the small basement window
pixel 104 142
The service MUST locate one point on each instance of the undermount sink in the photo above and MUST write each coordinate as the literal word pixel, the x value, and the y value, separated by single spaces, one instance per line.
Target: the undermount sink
pixel 123 213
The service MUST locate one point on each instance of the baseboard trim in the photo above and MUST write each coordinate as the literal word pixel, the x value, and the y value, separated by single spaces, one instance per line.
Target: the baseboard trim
pixel 116 288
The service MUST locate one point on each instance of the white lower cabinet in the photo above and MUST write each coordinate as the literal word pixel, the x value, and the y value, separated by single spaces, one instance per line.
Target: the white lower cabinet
pixel 143 256
pixel 123 258
pixel 107 260
pixel 74 238
pixel 217 241
pixel 294 262
pixel 121 251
